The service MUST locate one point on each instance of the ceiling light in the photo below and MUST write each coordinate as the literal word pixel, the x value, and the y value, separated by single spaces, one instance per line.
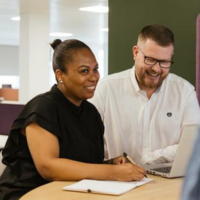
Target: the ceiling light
pixel 60 34
pixel 98 9
pixel 16 18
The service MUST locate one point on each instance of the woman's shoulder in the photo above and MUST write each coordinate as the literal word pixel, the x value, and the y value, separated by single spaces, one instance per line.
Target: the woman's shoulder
pixel 42 104
pixel 43 100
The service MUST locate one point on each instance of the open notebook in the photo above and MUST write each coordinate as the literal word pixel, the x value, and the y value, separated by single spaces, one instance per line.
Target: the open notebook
pixel 105 187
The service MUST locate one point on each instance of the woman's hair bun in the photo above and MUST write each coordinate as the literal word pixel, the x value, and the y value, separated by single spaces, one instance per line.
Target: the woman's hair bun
pixel 55 43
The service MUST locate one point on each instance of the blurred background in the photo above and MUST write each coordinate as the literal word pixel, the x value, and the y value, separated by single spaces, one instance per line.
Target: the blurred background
pixel 109 27
pixel 25 25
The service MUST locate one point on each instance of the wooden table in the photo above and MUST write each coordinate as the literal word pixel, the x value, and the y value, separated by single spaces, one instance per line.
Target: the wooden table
pixel 158 189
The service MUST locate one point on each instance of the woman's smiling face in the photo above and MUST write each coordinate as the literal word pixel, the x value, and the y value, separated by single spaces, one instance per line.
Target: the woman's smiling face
pixel 81 76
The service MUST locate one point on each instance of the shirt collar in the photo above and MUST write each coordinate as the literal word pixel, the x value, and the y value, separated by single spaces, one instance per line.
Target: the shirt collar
pixel 134 81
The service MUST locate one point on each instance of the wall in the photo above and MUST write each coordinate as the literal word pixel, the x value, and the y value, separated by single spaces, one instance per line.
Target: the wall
pixel 9 57
pixel 128 17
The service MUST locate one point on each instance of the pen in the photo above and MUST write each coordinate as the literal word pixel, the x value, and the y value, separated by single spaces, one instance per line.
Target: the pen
pixel 130 160
pixel 89 191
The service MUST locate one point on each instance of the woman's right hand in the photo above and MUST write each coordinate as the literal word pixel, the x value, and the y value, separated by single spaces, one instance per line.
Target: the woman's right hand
pixel 128 172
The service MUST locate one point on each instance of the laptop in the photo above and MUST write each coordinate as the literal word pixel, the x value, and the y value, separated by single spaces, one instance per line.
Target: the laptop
pixel 184 150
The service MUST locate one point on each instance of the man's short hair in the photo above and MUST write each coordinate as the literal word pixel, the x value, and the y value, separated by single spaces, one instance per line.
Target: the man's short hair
pixel 162 35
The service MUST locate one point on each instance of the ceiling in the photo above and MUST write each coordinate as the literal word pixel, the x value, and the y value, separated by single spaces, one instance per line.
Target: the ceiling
pixel 64 17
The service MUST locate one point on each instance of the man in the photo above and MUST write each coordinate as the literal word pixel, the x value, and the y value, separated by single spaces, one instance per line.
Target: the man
pixel 145 108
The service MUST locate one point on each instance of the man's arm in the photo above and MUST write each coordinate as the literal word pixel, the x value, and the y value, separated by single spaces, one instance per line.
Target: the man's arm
pixel 159 156
pixel 98 101
pixel 191 115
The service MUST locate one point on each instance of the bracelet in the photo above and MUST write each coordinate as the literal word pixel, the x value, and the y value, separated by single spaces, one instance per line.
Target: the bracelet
pixel 110 161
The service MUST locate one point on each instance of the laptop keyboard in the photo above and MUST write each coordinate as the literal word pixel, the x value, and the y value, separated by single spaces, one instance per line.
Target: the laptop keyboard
pixel 163 169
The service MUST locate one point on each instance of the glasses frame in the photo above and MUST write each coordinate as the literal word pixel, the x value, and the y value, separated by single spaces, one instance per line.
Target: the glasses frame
pixel 156 60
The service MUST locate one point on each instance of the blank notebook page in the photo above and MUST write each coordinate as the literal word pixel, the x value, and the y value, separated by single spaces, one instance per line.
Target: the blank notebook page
pixel 105 187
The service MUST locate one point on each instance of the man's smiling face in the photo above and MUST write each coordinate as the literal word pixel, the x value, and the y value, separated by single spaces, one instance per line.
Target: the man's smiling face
pixel 151 77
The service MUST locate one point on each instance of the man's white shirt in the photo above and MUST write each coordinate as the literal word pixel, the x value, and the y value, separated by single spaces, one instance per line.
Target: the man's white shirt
pixel 147 129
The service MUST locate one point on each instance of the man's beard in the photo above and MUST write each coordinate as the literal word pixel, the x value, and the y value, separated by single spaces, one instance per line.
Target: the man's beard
pixel 151 84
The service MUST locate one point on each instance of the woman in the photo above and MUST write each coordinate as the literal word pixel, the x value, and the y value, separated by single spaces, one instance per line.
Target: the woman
pixel 59 135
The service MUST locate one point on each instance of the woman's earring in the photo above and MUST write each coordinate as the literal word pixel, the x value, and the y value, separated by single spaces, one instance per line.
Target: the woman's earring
pixel 61 81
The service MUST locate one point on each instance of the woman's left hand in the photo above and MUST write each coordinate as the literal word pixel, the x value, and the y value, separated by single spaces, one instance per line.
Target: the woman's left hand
pixel 119 160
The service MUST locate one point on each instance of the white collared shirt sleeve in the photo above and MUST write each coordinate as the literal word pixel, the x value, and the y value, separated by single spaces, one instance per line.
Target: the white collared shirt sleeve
pixel 148 130
pixel 159 156
pixel 190 116
pixel 99 103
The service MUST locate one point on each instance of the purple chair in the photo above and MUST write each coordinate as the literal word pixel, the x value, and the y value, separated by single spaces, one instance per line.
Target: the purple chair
pixel 8 113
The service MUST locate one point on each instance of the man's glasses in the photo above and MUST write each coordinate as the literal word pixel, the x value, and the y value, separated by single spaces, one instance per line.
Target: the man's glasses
pixel 152 61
